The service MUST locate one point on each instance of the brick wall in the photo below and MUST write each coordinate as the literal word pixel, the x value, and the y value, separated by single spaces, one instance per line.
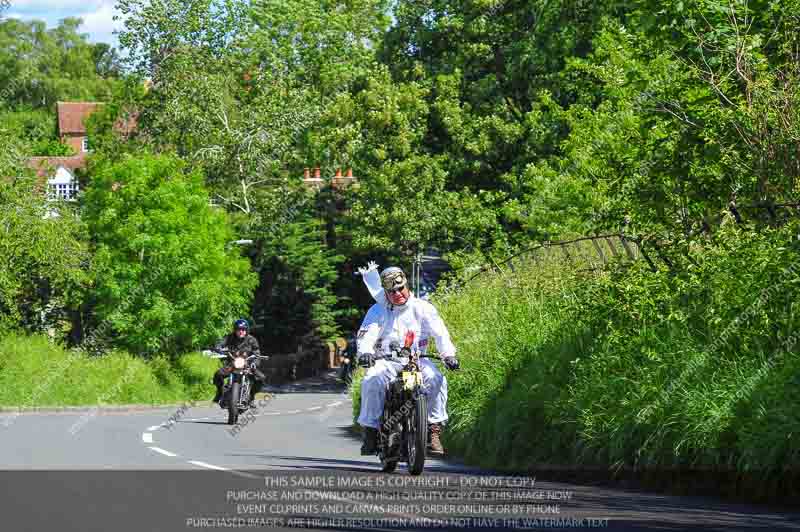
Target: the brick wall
pixel 74 141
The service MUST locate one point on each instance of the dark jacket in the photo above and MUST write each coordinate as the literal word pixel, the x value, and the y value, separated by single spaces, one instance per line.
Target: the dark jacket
pixel 248 344
pixel 234 343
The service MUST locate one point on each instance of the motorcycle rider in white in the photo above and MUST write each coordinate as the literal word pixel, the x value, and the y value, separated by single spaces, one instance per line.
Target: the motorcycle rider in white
pixel 396 312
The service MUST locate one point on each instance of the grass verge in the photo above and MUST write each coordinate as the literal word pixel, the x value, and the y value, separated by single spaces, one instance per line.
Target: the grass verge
pixel 35 372
pixel 683 371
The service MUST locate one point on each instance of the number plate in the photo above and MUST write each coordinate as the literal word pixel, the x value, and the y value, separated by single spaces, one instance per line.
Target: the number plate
pixel 411 379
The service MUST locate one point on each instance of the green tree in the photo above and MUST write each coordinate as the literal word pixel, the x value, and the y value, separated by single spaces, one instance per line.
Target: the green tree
pixel 43 252
pixel 40 66
pixel 217 104
pixel 166 279
pixel 326 45
pixel 297 268
pixel 36 129
pixel 406 199
pixel 692 109
pixel 155 33
pixel 107 61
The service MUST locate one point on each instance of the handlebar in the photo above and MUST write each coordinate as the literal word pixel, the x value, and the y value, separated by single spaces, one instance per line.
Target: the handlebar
pixel 399 358
pixel 226 353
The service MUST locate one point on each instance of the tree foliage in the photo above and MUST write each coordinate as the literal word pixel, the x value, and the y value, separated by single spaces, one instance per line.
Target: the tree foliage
pixel 166 279
pixel 472 127
pixel 43 254
pixel 40 66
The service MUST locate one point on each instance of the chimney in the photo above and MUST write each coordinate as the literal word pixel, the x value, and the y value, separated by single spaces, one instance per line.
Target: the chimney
pixel 306 173
pixel 317 173
pixel 338 172
pixel 349 172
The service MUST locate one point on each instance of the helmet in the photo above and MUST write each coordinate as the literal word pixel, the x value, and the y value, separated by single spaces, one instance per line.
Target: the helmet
pixel 241 323
pixel 393 278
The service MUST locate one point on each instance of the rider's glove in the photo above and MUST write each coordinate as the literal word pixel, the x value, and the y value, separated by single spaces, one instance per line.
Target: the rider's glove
pixel 451 362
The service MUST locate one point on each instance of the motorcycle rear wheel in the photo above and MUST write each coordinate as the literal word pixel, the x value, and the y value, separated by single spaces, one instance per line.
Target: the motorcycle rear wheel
pixel 417 437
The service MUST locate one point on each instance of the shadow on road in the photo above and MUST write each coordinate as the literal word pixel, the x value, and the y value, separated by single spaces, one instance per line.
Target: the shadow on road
pixel 369 464
pixel 456 501
pixel 351 432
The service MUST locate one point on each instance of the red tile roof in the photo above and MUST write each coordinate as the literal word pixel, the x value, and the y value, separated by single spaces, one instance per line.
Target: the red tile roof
pixel 45 166
pixel 72 114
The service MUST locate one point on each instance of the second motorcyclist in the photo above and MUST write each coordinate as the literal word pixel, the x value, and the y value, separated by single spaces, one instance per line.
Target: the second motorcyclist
pixel 238 340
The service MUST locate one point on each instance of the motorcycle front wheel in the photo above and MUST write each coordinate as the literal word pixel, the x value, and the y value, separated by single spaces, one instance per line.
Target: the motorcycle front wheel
pixel 233 403
pixel 417 436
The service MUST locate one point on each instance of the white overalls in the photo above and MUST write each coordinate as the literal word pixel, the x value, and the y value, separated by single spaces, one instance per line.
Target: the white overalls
pixel 387 325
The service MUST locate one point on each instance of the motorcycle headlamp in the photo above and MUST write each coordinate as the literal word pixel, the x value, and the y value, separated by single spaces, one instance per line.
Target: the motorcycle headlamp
pixel 238 363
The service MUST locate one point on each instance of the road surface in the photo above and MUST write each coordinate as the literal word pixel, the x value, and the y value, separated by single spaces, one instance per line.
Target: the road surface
pixel 294 464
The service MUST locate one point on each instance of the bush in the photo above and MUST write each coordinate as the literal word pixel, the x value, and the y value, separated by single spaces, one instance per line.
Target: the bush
pixel 195 371
pixel 35 372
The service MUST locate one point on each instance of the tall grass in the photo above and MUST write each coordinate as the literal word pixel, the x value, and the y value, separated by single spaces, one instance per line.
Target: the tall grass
pixel 691 369
pixel 35 372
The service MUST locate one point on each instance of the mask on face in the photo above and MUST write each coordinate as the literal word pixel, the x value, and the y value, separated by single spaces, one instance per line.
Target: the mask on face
pixel 393 278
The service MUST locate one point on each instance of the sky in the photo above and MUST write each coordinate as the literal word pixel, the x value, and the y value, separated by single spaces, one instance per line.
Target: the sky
pixel 97 15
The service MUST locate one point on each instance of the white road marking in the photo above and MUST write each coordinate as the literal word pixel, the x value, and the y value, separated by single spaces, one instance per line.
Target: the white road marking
pixel 337 403
pixel 147 437
pixel 154 427
pixel 315 408
pixel 208 466
pixel 293 412
pixel 162 451
pixel 245 475
pixel 218 468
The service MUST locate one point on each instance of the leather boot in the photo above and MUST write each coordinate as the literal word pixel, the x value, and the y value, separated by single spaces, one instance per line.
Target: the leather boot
pixel 370 445
pixel 435 444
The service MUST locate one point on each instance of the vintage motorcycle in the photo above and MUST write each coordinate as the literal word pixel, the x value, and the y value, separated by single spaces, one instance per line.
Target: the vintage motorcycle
pixel 403 430
pixel 239 380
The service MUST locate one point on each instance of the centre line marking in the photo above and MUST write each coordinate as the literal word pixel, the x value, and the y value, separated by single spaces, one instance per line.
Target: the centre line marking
pixel 218 468
pixel 208 466
pixel 162 451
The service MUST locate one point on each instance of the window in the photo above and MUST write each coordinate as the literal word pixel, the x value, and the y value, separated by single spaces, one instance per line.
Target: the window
pixel 63 186
pixel 85 144
pixel 63 191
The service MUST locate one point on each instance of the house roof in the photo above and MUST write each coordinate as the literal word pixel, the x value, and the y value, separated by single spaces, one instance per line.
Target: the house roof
pixel 71 116
pixel 45 166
